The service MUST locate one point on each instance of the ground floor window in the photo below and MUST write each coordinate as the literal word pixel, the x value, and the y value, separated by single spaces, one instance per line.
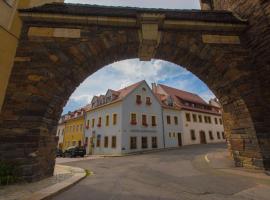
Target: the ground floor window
pixel 98 140
pixel 223 135
pixel 154 142
pixel 133 143
pixel 218 135
pixel 192 135
pixel 106 141
pixel 113 141
pixel 144 143
pixel 211 135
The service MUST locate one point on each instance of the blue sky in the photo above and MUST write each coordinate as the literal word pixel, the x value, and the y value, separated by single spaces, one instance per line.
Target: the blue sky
pixel 124 73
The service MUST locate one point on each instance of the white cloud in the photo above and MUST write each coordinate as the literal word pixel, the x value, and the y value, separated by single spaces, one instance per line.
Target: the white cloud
pixel 172 4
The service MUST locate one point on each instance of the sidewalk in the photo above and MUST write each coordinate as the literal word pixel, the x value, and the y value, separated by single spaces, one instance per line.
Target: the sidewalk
pixel 223 162
pixel 64 177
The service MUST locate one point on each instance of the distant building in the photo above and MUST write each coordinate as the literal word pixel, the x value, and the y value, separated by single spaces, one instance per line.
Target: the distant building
pixel 188 119
pixel 74 129
pixel 138 118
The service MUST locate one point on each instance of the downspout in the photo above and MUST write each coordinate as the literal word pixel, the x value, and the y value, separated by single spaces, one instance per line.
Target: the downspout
pixel 163 129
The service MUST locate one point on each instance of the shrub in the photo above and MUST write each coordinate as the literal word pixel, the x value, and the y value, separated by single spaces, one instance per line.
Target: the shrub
pixel 7 174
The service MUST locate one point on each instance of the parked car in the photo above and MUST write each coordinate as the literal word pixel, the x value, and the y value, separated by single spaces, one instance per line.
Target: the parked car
pixel 59 153
pixel 75 151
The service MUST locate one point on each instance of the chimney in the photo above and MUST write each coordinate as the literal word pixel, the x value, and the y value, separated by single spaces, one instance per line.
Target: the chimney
pixel 154 87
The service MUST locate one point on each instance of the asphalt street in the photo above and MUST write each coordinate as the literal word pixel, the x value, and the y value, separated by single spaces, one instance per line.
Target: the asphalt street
pixel 168 175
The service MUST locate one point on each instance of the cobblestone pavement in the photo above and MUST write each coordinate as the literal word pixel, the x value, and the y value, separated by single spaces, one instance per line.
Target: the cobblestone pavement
pixel 170 175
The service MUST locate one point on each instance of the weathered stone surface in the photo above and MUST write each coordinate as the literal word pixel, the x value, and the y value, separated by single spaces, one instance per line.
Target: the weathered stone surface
pixel 41 84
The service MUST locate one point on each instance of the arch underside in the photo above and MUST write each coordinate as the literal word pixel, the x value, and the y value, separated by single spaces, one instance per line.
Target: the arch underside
pixel 48 69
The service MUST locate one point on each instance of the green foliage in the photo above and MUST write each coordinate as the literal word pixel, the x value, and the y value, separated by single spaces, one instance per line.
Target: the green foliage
pixel 7 174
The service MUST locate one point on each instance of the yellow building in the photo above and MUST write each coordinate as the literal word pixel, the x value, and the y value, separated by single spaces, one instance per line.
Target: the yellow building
pixel 10 28
pixel 74 129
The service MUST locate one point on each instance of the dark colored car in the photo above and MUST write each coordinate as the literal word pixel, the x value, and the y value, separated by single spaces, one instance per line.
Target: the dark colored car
pixel 59 153
pixel 75 151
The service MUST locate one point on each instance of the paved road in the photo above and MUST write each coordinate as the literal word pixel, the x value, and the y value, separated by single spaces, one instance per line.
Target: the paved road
pixel 169 175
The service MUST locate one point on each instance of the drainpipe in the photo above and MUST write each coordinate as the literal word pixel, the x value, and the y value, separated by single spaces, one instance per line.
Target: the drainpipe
pixel 163 129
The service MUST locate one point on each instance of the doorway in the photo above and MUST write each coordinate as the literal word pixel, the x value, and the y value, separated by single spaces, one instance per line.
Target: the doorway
pixel 202 137
pixel 180 139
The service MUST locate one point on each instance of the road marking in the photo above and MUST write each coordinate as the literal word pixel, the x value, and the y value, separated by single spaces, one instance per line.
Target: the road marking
pixel 206 158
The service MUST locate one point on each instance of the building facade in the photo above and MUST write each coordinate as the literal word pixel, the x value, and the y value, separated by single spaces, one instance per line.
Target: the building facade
pixel 74 129
pixel 188 119
pixel 124 121
pixel 10 29
pixel 140 118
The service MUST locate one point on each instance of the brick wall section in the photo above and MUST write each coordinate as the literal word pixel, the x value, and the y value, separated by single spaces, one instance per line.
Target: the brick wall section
pixel 257 40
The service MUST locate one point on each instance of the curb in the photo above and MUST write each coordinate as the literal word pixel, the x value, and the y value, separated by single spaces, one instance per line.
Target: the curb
pixel 55 189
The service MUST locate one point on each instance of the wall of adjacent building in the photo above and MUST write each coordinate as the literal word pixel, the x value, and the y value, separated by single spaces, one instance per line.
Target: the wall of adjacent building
pixel 10 28
pixel 201 126
pixel 60 134
pixel 171 130
pixel 139 131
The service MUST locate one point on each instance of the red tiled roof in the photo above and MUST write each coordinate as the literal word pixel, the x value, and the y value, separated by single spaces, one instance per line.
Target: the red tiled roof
pixel 122 93
pixel 187 96
pixel 177 95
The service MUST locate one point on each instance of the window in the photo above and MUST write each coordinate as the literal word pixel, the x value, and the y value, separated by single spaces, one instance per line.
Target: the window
pixel 148 101
pixel 220 121
pixel 174 134
pixel 144 120
pixel 218 135
pixel 77 128
pixel 144 143
pixel 81 127
pixel 205 119
pixel 73 143
pixel 154 121
pixel 98 140
pixel 200 118
pixel 107 120
pixel 168 119
pixel 194 116
pixel 133 119
pixel 211 135
pixel 87 124
pixel 106 141
pixel 188 117
pixel 93 123
pixel 138 99
pixel 170 135
pixel 113 141
pixel 133 142
pixel 99 122
pixel 114 119
pixel 192 135
pixel 223 135
pixel 209 120
pixel 175 120
pixel 154 142
pixel 216 121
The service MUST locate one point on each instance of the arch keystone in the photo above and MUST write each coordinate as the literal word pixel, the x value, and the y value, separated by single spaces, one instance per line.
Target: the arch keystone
pixel 149 34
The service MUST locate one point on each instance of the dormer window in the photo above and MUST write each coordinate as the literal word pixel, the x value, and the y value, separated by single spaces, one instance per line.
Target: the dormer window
pixel 148 101
pixel 138 99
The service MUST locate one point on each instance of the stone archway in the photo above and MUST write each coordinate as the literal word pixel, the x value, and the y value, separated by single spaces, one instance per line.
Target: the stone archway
pixel 63 44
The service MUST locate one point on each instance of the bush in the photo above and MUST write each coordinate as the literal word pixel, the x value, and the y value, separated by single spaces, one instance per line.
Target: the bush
pixel 7 174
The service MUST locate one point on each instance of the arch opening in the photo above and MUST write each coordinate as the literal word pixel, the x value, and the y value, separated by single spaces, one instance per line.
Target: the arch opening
pixel 48 68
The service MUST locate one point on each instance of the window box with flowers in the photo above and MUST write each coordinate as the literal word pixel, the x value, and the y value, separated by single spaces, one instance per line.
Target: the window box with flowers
pixel 138 99
pixel 87 126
